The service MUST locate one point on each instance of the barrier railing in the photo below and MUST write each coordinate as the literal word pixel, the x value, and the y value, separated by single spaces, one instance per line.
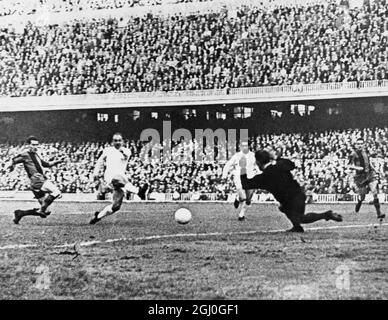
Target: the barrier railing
pixel 197 97
pixel 196 197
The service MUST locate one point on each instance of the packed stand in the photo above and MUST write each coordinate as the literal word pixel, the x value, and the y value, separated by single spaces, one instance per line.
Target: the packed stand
pixel 321 160
pixel 255 47
pixel 23 7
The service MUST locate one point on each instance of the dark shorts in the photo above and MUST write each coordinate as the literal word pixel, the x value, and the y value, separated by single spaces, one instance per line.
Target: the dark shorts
pixel 295 207
pixel 362 180
pixel 37 181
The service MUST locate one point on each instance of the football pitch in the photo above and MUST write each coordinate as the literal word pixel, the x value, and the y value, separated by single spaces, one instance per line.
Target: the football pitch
pixel 142 253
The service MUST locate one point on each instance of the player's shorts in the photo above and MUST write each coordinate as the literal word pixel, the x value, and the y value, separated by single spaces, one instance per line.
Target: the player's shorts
pixel 40 186
pixel 119 181
pixel 116 183
pixel 37 181
pixel 295 208
pixel 362 180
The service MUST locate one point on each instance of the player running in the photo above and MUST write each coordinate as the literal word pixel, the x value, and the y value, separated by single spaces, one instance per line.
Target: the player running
pixel 277 179
pixel 44 190
pixel 116 159
pixel 243 196
pixel 365 177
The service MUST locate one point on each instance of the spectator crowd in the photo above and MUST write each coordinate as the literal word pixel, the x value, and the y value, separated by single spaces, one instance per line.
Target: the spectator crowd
pixel 256 46
pixel 321 159
pixel 22 7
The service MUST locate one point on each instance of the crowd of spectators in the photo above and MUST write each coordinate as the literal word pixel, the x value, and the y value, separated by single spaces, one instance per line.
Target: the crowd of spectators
pixel 321 159
pixel 257 46
pixel 22 7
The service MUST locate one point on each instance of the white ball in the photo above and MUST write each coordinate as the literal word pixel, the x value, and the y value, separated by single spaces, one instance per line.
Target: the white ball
pixel 182 215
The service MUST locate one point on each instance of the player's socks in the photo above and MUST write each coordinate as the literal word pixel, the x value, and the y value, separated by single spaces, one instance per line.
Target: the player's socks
pixel 19 214
pixel 236 202
pixel 327 215
pixel 330 215
pixel 360 199
pixel 358 206
pixel 95 219
pixel 142 192
pixel 376 203
pixel 312 217
pixel 241 215
pixel 46 203
pixel 105 212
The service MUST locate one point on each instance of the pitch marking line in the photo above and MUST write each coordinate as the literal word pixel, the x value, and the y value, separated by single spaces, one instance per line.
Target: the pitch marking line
pixel 186 235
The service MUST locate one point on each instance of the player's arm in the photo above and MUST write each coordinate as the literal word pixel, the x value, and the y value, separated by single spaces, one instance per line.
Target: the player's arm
pixel 126 152
pixel 257 182
pixel 285 164
pixel 49 164
pixel 228 165
pixel 352 163
pixel 358 168
pixel 10 165
pixel 99 165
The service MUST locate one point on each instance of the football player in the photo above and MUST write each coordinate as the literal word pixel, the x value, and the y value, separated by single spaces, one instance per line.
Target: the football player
pixel 116 159
pixel 276 178
pixel 44 190
pixel 243 197
pixel 365 177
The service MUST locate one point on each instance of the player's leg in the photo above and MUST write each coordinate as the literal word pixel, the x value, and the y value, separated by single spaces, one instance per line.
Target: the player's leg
pixel 249 195
pixel 117 183
pixel 19 214
pixel 117 200
pixel 296 214
pixel 245 204
pixel 52 192
pixel 362 191
pixel 102 190
pixel 240 196
pixel 373 188
pixel 141 192
pixel 45 192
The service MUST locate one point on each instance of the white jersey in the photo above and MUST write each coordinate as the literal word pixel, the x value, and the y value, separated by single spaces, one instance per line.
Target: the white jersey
pixel 233 164
pixel 116 161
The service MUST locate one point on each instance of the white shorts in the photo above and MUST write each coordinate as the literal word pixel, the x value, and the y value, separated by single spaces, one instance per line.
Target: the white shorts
pixel 50 188
pixel 120 182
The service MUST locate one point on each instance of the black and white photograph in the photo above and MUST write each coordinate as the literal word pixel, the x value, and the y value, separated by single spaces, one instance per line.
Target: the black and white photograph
pixel 193 150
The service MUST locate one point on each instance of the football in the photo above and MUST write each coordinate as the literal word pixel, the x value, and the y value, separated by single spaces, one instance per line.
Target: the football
pixel 182 216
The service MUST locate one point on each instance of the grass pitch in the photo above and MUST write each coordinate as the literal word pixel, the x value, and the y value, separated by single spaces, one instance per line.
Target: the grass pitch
pixel 142 253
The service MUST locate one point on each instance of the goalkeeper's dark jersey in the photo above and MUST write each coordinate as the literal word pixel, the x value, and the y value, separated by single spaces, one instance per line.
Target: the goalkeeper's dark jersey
pixel 277 179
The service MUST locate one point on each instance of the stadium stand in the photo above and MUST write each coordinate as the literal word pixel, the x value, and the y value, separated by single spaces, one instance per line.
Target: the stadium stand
pixel 321 159
pixel 258 46
pixel 19 7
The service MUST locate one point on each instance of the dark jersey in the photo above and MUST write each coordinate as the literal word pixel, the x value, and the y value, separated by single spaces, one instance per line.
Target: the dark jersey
pixel 32 162
pixel 361 158
pixel 367 175
pixel 277 179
